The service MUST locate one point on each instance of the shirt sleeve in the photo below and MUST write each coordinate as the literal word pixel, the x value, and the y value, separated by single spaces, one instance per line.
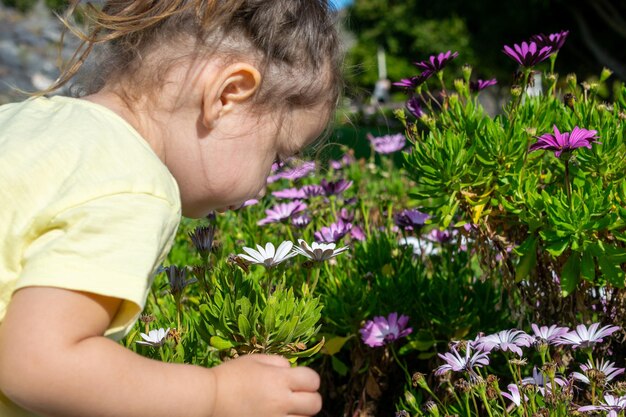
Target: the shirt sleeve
pixel 109 246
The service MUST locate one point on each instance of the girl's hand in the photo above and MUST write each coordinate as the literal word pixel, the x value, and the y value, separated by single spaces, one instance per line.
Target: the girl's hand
pixel 265 386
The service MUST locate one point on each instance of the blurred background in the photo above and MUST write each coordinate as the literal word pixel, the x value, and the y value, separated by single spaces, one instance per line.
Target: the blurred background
pixel 382 40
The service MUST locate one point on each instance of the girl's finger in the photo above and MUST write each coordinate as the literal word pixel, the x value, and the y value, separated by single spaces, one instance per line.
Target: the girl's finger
pixel 305 404
pixel 303 379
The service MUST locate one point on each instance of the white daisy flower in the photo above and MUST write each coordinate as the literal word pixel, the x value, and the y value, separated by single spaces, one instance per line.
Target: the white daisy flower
pixel 268 256
pixel 154 338
pixel 318 252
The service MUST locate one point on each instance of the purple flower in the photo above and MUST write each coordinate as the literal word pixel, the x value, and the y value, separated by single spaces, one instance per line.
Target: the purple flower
pixel 505 340
pixel 299 193
pixel 414 107
pixel 553 40
pixel 345 160
pixel 607 368
pixel 250 202
pixel 584 337
pixel 405 82
pixel 612 404
pixel 410 219
pixel 564 142
pixel 388 143
pixel 548 335
pixel 541 382
pixel 346 215
pixel 528 54
pixel 335 187
pixel 333 233
pixel 289 193
pixel 439 236
pixel 300 221
pixel 458 363
pixel 282 211
pixel 295 173
pixel 381 330
pixel 514 395
pixel 357 233
pixel 480 85
pixel 177 278
pixel 313 190
pixel 437 62
pixel 414 82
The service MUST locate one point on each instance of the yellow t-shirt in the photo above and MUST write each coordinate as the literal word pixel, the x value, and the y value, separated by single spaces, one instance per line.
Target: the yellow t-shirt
pixel 86 205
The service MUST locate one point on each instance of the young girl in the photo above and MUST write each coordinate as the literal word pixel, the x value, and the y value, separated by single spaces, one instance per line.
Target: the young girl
pixel 188 106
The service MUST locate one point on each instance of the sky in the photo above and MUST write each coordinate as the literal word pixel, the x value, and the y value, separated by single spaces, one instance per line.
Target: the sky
pixel 342 3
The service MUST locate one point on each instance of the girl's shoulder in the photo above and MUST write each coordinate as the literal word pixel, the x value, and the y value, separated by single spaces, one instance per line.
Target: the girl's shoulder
pixel 77 141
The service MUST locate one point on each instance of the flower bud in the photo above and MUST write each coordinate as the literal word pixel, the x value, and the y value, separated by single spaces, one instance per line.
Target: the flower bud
pixel 549 368
pixel 429 121
pixel 552 77
pixel 467 72
pixel 571 81
pixel 532 131
pixel 453 99
pixel 462 386
pixel 605 74
pixel 400 115
pixel 410 399
pixel 459 85
pixel 431 408
pixel 147 318
pixel 569 99
pixel 516 91
pixel 419 380
pixel 594 86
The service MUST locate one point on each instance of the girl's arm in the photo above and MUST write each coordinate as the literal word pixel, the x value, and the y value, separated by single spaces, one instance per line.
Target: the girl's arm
pixel 54 362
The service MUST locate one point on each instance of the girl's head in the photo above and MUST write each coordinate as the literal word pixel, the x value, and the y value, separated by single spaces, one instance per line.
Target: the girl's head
pixel 273 81
pixel 294 43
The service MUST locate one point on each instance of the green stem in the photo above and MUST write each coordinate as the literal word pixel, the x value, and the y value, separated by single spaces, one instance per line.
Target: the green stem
pixel 467 406
pixel 290 234
pixel 568 186
pixel 400 363
pixel 518 100
pixel 506 413
pixel 484 398
pixel 316 276
pixel 475 405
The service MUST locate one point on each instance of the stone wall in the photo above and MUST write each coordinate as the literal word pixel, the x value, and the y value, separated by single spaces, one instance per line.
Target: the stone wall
pixel 29 50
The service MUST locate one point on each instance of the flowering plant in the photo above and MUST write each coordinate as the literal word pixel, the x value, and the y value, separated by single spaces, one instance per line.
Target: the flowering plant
pixel 547 222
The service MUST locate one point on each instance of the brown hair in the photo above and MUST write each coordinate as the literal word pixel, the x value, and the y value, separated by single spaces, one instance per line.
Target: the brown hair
pixel 295 43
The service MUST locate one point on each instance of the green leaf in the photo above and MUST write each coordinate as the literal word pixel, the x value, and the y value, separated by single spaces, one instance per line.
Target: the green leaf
pixel 334 344
pixel 587 267
pixel 309 352
pixel 611 272
pixel 557 247
pixel 528 260
pixel 338 366
pixel 570 274
pixel 244 327
pixel 245 306
pixel 221 343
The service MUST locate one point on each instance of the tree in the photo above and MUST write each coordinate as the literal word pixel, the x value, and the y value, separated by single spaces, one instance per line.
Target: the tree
pixel 411 30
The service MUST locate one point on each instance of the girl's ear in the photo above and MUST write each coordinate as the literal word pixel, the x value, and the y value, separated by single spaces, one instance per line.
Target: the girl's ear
pixel 230 87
